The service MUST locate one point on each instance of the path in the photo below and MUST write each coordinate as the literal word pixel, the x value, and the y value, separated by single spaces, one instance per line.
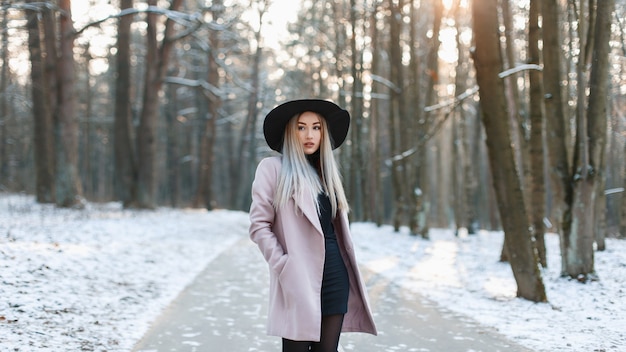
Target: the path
pixel 224 310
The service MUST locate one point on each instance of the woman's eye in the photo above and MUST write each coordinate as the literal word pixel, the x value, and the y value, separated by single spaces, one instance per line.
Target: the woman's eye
pixel 317 128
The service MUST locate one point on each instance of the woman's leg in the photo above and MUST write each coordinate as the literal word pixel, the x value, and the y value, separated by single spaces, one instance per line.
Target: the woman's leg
pixel 331 330
pixel 296 346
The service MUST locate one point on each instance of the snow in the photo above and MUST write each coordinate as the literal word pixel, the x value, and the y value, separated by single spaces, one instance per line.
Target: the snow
pixel 95 279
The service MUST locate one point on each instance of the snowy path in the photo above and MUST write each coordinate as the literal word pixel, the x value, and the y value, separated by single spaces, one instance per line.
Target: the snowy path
pixel 224 309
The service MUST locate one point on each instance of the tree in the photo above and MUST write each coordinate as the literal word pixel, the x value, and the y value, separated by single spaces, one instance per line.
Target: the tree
pixel 537 184
pixel 374 211
pixel 157 59
pixel 124 151
pixel 579 223
pixel 396 111
pixel 357 170
pixel 43 136
pixel 246 149
pixel 506 181
pixel 4 101
pixel 68 187
pixel 204 193
pixel 556 135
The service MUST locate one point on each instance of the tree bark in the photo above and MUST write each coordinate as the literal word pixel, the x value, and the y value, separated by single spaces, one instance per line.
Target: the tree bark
pixel 375 206
pixel 248 147
pixel 577 249
pixel 68 187
pixel 4 101
pixel 622 225
pixel 461 163
pixel 418 123
pixel 537 159
pixel 356 171
pixel 43 121
pixel 507 185
pixel 157 60
pixel 556 135
pixel 597 112
pixel 124 152
pixel 395 115
pixel 204 193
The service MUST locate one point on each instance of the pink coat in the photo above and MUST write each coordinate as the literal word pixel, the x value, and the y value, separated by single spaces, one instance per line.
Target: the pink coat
pixel 292 243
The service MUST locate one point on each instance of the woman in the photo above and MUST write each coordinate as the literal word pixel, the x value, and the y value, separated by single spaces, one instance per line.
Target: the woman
pixel 299 221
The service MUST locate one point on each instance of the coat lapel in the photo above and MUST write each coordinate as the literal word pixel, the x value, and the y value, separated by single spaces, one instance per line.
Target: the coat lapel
pixel 307 206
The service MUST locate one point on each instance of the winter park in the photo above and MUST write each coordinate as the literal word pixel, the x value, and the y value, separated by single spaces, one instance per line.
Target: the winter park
pixel 235 175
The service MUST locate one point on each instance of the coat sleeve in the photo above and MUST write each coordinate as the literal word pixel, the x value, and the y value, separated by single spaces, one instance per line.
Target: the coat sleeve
pixel 262 215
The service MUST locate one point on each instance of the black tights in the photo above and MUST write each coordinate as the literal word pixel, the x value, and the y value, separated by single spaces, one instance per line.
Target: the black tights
pixel 329 339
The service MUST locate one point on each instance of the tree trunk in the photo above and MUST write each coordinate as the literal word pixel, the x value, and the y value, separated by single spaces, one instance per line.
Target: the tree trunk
pixel 146 133
pixel 622 224
pixel 124 153
pixel 357 161
pixel 4 100
pixel 173 165
pixel 396 118
pixel 43 121
pixel 375 206
pixel 157 60
pixel 537 184
pixel 248 145
pixel 597 112
pixel 467 163
pixel 68 186
pixel 88 169
pixel 416 126
pixel 507 185
pixel 577 249
pixel 556 135
pixel 204 193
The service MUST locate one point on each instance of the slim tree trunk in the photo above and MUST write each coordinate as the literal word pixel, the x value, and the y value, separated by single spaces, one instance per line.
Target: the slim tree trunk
pixel 357 161
pixel 395 116
pixel 88 172
pixel 537 184
pixel 417 184
pixel 375 207
pixel 4 101
pixel 622 224
pixel 204 194
pixel 461 158
pixel 506 181
pixel 43 122
pixel 157 60
pixel 146 134
pixel 69 189
pixel 556 136
pixel 245 152
pixel 577 249
pixel 124 152
pixel 597 111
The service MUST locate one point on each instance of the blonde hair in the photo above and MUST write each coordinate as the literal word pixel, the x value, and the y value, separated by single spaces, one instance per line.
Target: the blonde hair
pixel 300 180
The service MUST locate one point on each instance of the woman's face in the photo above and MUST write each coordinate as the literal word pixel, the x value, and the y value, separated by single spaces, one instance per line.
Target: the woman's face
pixel 309 131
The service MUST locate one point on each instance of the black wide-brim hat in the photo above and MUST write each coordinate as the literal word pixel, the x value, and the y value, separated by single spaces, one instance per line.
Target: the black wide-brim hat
pixel 337 120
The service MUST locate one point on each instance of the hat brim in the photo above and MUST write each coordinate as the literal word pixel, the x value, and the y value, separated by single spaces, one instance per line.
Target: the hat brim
pixel 337 120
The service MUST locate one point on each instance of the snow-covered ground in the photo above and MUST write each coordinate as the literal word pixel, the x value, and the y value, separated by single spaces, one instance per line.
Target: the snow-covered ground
pixel 94 279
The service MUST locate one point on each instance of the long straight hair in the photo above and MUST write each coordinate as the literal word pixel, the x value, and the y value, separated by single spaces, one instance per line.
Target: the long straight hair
pixel 300 180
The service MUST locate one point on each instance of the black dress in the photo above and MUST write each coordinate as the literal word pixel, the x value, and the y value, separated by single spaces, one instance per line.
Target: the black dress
pixel 335 282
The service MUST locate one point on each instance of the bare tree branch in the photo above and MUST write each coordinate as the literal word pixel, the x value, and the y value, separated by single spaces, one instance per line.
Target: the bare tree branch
pixel 192 21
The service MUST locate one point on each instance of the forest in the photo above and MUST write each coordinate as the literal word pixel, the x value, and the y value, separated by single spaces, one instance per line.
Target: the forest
pixel 492 114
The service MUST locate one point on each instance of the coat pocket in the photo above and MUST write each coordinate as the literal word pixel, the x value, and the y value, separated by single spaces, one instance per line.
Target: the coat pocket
pixel 287 283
